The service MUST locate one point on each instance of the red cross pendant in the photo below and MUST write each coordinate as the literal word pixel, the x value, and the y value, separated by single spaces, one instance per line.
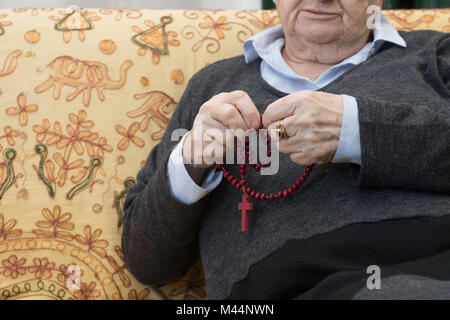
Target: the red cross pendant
pixel 245 206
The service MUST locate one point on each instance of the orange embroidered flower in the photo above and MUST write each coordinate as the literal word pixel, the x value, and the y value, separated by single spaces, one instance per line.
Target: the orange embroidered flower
pixel 119 269
pixel 55 221
pixel 42 268
pixel 87 292
pixel 10 134
pixel 194 282
pixel 14 267
pixel 265 22
pixel 132 295
pixel 65 167
pixel 6 228
pixel 75 137
pixel 129 135
pixel 79 120
pixel 102 147
pixel 91 240
pixel 58 136
pixel 42 131
pixel 130 13
pixel 218 26
pixel 22 109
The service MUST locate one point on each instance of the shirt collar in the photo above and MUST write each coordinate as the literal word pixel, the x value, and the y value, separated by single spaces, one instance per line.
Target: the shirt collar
pixel 261 44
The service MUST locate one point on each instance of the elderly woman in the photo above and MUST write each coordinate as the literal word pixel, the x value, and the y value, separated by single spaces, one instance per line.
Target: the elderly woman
pixel 370 107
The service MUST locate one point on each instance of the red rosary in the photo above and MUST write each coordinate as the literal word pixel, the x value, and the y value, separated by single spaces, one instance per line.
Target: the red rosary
pixel 245 206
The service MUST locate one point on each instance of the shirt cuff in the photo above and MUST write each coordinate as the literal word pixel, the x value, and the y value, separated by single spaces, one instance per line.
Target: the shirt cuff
pixel 349 147
pixel 183 187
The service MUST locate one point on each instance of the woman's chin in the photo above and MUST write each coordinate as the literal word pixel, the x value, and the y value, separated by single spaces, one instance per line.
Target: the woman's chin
pixel 320 38
pixel 320 34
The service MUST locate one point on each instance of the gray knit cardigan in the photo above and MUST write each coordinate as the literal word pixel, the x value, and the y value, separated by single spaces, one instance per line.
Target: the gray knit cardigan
pixel 403 101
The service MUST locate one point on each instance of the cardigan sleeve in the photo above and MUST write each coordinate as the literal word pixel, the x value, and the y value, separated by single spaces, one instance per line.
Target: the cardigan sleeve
pixel 408 145
pixel 160 233
pixel 443 60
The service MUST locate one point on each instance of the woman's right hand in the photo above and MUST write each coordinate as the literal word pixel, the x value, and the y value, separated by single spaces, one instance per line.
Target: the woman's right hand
pixel 209 138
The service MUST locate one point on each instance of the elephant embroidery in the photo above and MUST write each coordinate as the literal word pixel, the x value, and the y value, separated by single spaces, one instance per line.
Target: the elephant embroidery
pixel 157 107
pixel 84 76
pixel 10 64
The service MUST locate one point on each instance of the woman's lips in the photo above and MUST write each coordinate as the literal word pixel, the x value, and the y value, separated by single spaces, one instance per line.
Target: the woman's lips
pixel 317 14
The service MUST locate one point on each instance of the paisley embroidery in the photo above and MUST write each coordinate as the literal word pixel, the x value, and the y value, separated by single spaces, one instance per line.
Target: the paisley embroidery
pixel 42 150
pixel 118 202
pixel 10 64
pixel 10 155
pixel 95 162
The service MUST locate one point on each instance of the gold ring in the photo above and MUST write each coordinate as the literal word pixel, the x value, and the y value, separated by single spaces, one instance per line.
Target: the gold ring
pixel 282 131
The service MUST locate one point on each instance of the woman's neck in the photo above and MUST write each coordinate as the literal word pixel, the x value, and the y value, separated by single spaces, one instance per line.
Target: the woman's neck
pixel 310 60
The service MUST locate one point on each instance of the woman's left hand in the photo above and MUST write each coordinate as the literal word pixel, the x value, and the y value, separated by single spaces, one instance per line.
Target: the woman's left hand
pixel 312 121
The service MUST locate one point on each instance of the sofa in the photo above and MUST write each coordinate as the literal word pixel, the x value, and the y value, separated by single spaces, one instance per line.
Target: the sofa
pixel 84 96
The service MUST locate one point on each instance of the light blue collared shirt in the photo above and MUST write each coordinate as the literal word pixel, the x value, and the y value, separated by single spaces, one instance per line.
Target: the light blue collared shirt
pixel 267 45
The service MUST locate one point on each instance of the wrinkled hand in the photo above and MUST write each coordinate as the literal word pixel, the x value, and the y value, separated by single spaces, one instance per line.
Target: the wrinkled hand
pixel 312 121
pixel 233 110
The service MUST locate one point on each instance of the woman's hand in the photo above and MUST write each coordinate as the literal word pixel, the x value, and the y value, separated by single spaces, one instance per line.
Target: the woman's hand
pixel 312 121
pixel 209 138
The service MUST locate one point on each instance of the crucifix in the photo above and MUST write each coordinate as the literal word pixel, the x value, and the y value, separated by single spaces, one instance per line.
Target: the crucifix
pixel 240 183
pixel 245 206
